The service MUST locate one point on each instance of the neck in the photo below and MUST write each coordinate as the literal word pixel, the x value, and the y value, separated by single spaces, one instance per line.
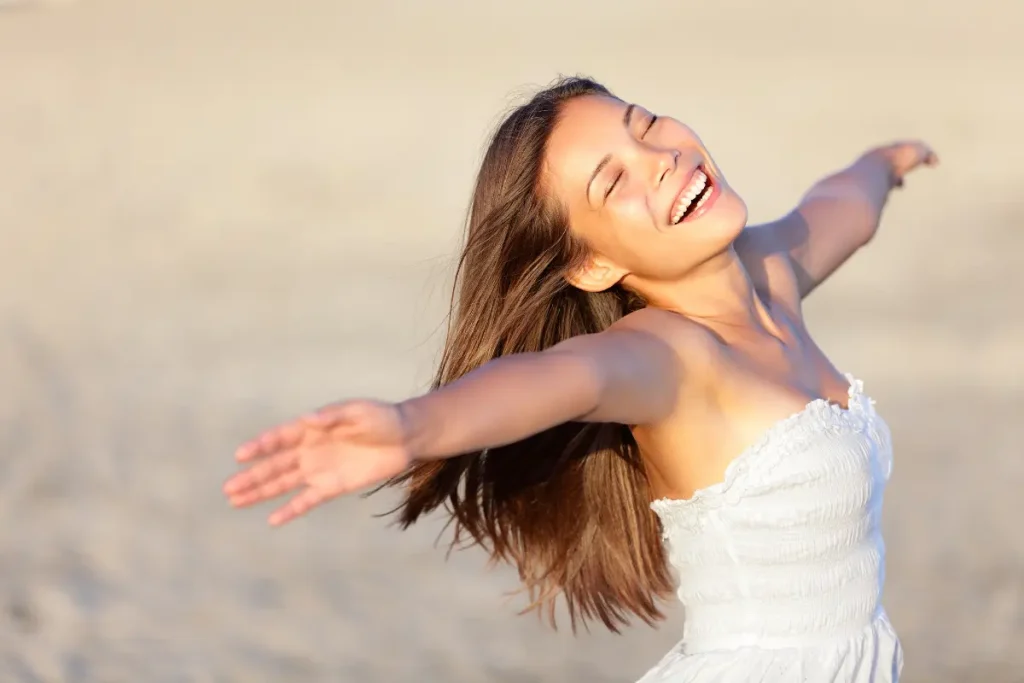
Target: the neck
pixel 718 292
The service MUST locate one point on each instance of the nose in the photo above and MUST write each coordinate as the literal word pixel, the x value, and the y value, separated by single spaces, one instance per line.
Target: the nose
pixel 665 162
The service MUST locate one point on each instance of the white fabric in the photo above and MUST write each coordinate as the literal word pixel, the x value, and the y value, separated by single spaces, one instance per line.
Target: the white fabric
pixel 781 566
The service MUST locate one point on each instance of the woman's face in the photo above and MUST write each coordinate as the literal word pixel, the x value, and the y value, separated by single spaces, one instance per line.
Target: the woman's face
pixel 642 192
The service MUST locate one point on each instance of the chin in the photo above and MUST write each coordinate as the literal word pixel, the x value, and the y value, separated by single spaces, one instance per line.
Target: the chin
pixel 727 217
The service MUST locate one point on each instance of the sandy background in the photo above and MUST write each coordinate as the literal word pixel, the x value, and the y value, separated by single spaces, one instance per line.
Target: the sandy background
pixel 215 214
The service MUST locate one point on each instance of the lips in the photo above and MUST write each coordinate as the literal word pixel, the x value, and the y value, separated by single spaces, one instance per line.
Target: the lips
pixel 694 196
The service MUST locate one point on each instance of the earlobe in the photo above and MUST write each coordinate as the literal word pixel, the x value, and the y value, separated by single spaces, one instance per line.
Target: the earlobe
pixel 596 276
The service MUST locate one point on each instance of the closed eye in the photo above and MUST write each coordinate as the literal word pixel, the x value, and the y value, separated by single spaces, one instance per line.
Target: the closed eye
pixel 613 184
pixel 654 119
pixel 618 176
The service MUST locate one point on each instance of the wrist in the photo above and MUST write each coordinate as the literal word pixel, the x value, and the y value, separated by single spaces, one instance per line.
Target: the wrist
pixel 415 426
pixel 878 163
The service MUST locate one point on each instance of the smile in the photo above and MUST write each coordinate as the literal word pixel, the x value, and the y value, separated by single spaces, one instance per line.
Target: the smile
pixel 694 199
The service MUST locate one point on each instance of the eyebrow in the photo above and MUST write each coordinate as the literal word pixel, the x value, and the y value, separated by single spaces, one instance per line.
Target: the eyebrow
pixel 608 157
pixel 628 115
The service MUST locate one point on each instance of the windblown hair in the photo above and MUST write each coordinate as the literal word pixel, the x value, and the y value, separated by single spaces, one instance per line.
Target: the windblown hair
pixel 569 506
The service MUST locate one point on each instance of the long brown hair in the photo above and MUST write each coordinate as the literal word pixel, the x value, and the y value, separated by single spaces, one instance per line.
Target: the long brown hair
pixel 569 506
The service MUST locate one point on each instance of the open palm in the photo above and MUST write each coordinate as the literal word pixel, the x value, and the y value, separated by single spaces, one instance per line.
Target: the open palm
pixel 337 450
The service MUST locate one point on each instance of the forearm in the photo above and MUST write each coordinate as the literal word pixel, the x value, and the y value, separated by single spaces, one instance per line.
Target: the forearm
pixel 860 190
pixel 841 212
pixel 505 401
pixel 621 375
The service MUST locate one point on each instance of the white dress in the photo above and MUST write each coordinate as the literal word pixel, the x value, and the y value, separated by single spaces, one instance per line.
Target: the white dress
pixel 780 567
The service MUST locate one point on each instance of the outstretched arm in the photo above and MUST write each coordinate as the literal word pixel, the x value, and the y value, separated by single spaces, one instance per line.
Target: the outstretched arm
pixel 841 212
pixel 621 375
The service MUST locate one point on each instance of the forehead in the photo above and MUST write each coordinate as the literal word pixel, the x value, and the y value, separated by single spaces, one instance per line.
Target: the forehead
pixel 586 116
pixel 588 128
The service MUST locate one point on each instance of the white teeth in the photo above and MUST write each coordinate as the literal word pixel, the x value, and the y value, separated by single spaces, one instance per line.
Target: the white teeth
pixel 696 186
pixel 702 200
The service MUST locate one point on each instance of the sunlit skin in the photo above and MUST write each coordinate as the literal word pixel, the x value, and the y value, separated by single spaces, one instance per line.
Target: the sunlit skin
pixel 620 169
pixel 720 354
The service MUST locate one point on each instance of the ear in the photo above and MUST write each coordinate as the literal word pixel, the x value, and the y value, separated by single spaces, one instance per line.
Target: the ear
pixel 597 275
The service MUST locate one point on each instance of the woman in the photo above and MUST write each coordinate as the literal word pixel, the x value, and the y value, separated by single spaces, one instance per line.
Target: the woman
pixel 618 336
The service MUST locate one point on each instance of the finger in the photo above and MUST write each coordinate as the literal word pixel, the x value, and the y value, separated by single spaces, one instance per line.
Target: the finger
pixel 258 494
pixel 262 473
pixel 284 436
pixel 925 153
pixel 290 435
pixel 336 414
pixel 298 506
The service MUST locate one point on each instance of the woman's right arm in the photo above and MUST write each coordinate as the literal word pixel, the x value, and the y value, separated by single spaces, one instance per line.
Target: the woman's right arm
pixel 621 375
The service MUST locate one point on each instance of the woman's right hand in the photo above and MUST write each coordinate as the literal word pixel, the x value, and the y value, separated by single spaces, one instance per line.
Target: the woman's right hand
pixel 337 450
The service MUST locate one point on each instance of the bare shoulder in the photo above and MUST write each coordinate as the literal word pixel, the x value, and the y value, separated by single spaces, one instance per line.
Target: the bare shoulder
pixel 691 343
pixel 765 252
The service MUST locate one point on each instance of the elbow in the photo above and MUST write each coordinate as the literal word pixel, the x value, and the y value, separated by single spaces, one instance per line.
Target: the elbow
pixel 865 224
pixel 597 387
pixel 580 380
pixel 864 233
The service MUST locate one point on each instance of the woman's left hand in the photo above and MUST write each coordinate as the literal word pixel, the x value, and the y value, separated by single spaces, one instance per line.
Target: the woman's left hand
pixel 904 157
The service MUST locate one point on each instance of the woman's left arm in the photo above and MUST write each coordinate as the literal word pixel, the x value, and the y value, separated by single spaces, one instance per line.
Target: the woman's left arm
pixel 841 212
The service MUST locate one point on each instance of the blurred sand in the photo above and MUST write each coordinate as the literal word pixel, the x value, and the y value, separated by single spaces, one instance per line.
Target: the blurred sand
pixel 217 214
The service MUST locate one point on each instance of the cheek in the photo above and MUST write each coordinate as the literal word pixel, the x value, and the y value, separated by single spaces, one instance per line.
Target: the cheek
pixel 629 230
pixel 695 139
pixel 637 239
pixel 596 233
pixel 633 208
pixel 710 161
pixel 620 234
pixel 715 170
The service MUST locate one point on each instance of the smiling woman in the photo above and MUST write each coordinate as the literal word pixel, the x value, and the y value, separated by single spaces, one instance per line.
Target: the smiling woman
pixel 628 386
pixel 625 177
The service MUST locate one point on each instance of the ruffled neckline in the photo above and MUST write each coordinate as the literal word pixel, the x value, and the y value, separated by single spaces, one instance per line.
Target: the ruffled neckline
pixel 821 410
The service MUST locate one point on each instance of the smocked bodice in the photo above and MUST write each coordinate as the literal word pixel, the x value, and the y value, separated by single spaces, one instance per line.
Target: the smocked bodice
pixel 787 550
